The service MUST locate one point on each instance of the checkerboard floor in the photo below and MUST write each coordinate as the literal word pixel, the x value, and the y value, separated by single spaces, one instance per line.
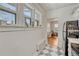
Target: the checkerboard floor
pixel 49 51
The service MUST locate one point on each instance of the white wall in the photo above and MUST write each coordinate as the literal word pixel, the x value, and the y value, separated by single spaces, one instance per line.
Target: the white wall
pixel 63 15
pixel 20 42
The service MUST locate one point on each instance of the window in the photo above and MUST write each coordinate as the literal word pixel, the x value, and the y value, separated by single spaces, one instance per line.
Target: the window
pixel 6 17
pixel 8 6
pixel 27 16
pixel 27 22
pixel 32 16
pixel 27 12
pixel 37 18
pixel 36 23
pixel 7 14
pixel 37 15
pixel 56 25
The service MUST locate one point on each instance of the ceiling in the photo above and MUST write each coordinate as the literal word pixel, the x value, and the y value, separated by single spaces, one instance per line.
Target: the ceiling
pixel 54 6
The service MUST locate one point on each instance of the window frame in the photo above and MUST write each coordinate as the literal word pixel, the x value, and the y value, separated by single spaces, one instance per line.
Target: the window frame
pixel 29 9
pixel 27 17
pixel 37 22
pixel 25 21
pixel 38 14
pixel 9 12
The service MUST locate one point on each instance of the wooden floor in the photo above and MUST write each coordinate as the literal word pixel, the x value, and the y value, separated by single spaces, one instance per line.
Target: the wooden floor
pixel 53 41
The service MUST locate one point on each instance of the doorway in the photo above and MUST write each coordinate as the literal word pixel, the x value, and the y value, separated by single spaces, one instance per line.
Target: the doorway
pixel 52 33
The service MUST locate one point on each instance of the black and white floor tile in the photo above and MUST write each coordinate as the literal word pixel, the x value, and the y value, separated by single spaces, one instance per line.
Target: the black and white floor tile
pixel 49 51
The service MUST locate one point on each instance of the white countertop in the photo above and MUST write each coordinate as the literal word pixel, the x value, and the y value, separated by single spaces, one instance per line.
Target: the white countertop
pixel 73 40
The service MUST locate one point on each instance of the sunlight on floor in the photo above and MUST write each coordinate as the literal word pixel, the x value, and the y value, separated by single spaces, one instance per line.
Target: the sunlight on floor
pixel 53 41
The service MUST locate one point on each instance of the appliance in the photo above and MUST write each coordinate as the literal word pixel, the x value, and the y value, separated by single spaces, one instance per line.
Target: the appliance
pixel 75 48
pixel 70 29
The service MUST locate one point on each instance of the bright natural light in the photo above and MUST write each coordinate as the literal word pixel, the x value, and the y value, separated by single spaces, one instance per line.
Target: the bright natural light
pixel 56 25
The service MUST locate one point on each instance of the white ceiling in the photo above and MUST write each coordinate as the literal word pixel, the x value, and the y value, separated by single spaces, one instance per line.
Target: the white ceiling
pixel 54 6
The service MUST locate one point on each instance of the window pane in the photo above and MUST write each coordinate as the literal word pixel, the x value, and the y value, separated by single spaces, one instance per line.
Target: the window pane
pixel 37 15
pixel 27 22
pixel 7 18
pixel 36 23
pixel 27 12
pixel 9 6
pixel 56 25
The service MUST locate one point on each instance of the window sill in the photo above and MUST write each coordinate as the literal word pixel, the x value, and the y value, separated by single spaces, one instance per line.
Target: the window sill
pixel 17 26
pixel 11 28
